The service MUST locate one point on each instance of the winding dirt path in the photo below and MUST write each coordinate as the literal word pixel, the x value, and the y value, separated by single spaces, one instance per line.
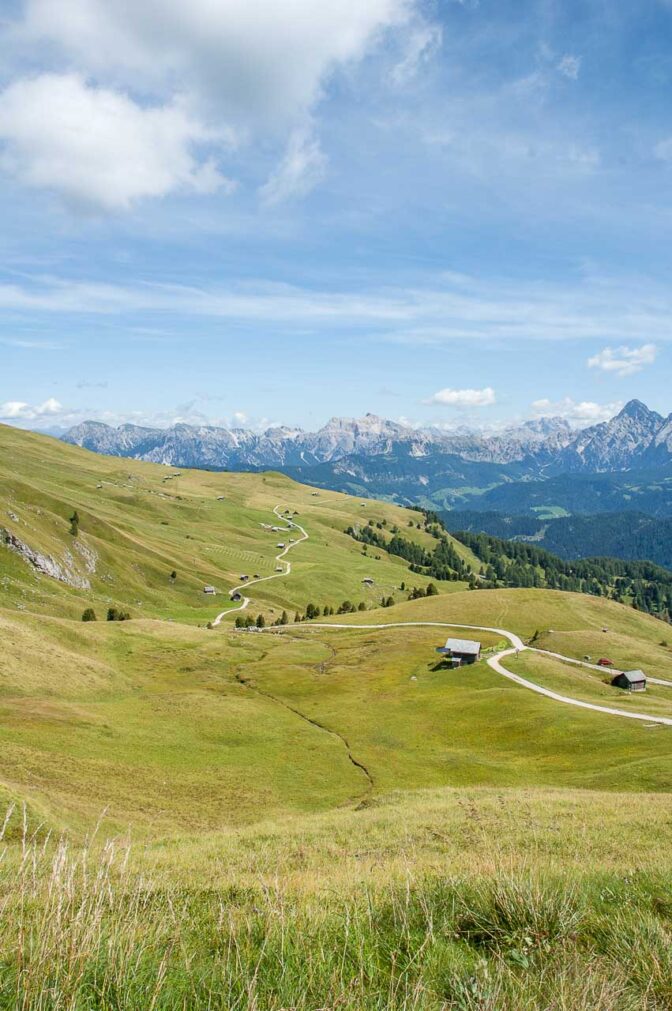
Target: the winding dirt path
pixel 495 662
pixel 293 525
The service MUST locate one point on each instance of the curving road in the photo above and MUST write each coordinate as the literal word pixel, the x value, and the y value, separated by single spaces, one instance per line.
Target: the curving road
pixel 495 662
pixel 265 579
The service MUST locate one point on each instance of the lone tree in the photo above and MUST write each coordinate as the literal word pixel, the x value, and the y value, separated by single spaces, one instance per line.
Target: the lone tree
pixel 284 618
pixel 431 590
pixel 261 621
pixel 89 614
pixel 173 576
pixel 74 523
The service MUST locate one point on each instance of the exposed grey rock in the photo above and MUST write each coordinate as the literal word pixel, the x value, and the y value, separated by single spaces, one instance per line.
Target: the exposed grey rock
pixel 64 571
pixel 636 438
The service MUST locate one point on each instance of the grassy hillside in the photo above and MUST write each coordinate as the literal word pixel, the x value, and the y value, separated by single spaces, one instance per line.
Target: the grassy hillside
pixel 322 817
pixel 139 523
pixel 173 728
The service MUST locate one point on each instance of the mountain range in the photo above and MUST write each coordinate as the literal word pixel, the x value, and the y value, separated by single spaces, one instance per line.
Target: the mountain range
pixel 377 457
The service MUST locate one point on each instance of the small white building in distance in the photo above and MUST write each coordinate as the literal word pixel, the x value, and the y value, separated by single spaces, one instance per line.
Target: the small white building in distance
pixel 209 589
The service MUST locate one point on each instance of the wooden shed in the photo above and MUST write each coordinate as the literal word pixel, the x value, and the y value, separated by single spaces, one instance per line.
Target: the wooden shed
pixel 630 680
pixel 461 651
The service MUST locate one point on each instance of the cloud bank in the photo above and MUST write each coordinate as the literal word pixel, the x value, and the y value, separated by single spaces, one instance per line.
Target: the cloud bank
pixel 624 361
pixel 463 398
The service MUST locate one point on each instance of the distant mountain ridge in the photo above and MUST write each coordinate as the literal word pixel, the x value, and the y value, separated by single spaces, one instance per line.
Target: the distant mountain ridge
pixel 374 456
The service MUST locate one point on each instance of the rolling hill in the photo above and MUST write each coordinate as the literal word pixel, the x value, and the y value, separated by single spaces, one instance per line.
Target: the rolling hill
pixel 315 816
pixel 160 718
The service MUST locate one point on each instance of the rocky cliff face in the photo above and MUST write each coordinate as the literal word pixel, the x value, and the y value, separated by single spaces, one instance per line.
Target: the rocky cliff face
pixel 65 569
pixel 636 438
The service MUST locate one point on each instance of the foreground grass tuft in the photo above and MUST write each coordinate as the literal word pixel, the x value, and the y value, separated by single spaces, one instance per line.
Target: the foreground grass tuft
pixel 81 931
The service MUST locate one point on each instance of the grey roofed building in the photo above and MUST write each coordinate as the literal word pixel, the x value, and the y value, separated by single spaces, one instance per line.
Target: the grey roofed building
pixel 630 680
pixel 462 650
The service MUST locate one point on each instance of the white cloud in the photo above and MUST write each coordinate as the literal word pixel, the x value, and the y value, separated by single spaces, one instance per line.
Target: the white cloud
pixel 264 61
pixel 624 361
pixel 253 69
pixel 96 148
pixel 584 412
pixel 570 66
pixel 19 410
pixel 463 398
pixel 421 44
pixel 434 315
pixel 301 169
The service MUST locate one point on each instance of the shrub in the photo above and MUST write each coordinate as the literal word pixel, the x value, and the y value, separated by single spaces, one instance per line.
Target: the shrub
pixel 116 614
pixel 89 614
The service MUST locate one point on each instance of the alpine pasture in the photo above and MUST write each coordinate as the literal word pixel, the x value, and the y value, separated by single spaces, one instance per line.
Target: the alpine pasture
pixel 306 817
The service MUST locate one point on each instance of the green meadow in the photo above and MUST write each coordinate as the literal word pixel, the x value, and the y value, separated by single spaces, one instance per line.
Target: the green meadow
pixel 311 817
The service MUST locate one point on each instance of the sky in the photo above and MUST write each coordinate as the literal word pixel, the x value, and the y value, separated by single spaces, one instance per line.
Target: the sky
pixel 258 212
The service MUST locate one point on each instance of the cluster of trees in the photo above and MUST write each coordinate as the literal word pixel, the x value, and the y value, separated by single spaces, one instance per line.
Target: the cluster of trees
pixel 259 622
pixel 645 586
pixel 314 611
pixel 441 563
pixel 113 614
pixel 421 591
pixel 628 535
pixel 116 614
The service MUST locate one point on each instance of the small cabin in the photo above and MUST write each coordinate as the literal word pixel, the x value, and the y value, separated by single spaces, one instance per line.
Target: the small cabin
pixel 368 581
pixel 460 651
pixel 244 578
pixel 280 545
pixel 236 596
pixel 630 681
pixel 209 589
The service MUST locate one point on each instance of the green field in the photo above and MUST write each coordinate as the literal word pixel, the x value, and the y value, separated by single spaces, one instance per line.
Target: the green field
pixel 284 785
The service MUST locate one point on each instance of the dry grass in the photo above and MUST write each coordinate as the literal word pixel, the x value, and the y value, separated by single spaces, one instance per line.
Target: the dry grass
pixel 92 927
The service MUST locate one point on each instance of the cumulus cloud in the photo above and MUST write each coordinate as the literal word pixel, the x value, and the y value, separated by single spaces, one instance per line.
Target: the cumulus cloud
pixel 624 361
pixel 253 70
pixel 463 398
pixel 263 60
pixel 584 412
pixel 19 410
pixel 301 169
pixel 96 147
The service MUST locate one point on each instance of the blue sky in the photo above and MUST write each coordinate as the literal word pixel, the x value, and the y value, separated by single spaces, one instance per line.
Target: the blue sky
pixel 257 211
